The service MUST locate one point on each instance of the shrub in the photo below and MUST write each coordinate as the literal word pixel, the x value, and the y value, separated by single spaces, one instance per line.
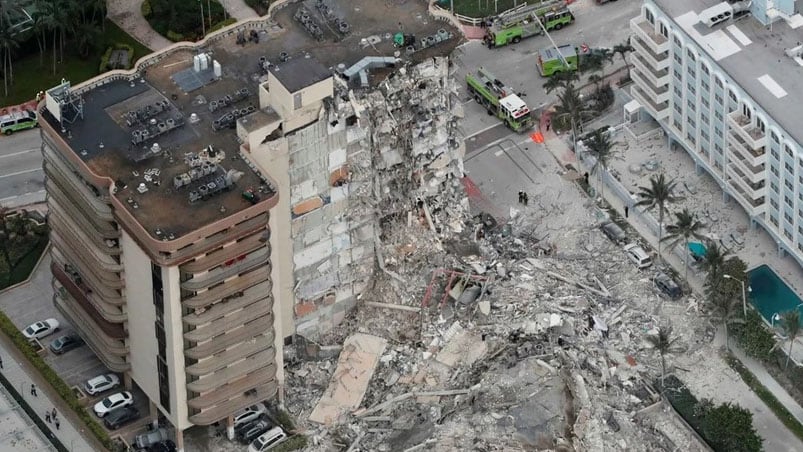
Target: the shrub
pixel 183 17
pixel 753 336
pixel 295 442
pixel 146 9
pixel 222 24
pixel 64 391
pixel 260 6
pixel 173 36
pixel 104 60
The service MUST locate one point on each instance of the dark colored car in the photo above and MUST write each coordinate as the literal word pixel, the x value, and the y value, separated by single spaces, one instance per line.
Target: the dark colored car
pixel 253 430
pixel 614 232
pixel 164 446
pixel 66 343
pixel 668 286
pixel 120 417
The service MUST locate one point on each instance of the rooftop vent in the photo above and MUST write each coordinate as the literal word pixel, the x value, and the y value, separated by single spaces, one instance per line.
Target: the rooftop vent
pixel 716 14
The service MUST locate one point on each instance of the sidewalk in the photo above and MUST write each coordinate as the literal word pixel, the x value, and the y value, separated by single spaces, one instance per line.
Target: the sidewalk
pixel 20 373
pixel 564 155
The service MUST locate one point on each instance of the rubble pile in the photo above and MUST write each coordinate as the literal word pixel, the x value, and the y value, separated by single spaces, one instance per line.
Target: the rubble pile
pixel 527 335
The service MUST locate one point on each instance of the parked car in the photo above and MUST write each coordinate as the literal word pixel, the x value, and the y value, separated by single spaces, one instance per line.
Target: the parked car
pixel 268 440
pixel 253 430
pixel 101 383
pixel 637 254
pixel 66 343
pixel 113 402
pixel 41 329
pixel 121 417
pixel 164 446
pixel 249 414
pixel 150 438
pixel 17 121
pixel 668 286
pixel 614 232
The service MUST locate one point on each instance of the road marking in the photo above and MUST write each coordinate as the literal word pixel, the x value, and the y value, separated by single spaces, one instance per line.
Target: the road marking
pixel 24 194
pixel 483 130
pixel 20 172
pixel 498 153
pixel 18 153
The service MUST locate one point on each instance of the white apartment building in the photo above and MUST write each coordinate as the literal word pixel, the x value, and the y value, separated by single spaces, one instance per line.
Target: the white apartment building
pixel 725 80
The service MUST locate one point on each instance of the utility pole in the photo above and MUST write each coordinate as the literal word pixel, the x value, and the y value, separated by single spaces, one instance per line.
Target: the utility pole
pixel 203 19
pixel 543 28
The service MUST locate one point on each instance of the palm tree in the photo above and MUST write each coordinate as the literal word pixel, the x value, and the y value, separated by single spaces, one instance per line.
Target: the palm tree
pixel 658 195
pixel 713 265
pixel 664 344
pixel 560 80
pixel 572 109
pixel 623 49
pixel 600 147
pixel 685 228
pixel 726 309
pixel 8 40
pixel 791 324
pixel 15 229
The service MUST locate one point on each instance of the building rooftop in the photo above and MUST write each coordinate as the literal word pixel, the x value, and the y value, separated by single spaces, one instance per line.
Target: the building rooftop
pixel 155 127
pixel 753 55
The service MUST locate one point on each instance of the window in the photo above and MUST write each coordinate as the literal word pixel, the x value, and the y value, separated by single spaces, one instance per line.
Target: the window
pixel 692 91
pixel 662 28
pixel 788 202
pixel 774 219
pixel 788 218
pixel 704 68
pixel 787 234
pixel 705 103
pixel 678 59
pixel 718 148
pixel 690 103
pixel 677 125
pixel 704 119
pixel 718 115
pixel 690 137
pixel 164 384
pixel 774 154
pixel 718 131
pixel 774 186
pixel 704 85
pixel 788 151
pixel 678 91
pixel 650 16
pixel 732 95
pixel 677 108
pixel 296 101
pixel 718 81
pixel 690 55
pixel 704 134
pixel 774 171
pixel 774 205
pixel 692 72
pixel 789 167
pixel 774 137
pixel 746 111
pixel 718 99
pixel 789 185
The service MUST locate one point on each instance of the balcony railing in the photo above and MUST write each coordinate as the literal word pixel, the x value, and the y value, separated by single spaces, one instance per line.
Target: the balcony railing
pixel 646 31
pixel 234 372
pixel 261 326
pixel 229 391
pixel 259 348
pixel 753 190
pixel 108 312
pixel 743 160
pixel 657 111
pixel 235 403
pixel 658 94
pixel 232 287
pixel 220 256
pixel 656 61
pixel 747 130
pixel 657 77
pixel 220 326
pixel 754 157
pixel 258 293
pixel 220 274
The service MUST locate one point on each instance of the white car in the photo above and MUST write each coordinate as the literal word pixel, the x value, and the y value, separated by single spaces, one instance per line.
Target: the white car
pixel 637 254
pixel 113 402
pixel 101 383
pixel 41 329
pixel 268 440
pixel 249 414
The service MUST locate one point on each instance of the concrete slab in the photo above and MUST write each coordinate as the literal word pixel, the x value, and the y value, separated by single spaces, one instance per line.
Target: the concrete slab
pixel 355 367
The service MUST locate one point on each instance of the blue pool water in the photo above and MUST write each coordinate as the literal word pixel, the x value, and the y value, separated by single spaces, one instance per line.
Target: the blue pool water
pixel 770 295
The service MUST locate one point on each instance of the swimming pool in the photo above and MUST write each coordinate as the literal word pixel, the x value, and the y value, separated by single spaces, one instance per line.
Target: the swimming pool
pixel 769 294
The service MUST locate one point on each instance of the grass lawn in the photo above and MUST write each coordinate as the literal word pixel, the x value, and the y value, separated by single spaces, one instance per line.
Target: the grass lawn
pixel 483 8
pixel 30 77
pixel 25 266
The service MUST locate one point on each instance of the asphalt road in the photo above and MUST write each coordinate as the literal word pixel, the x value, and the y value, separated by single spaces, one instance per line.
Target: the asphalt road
pixel 21 175
pixel 595 25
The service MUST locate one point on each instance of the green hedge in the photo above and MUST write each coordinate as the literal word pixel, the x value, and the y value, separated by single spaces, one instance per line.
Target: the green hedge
pixel 145 9
pixel 765 395
pixel 64 391
pixel 173 36
pixel 224 23
pixel 260 6
pixel 753 336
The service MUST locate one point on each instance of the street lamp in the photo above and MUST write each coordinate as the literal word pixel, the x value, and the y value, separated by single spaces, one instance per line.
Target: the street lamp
pixel 203 20
pixel 744 294
pixel 773 319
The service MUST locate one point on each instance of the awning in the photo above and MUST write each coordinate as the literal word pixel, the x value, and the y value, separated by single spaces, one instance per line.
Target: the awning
pixel 697 249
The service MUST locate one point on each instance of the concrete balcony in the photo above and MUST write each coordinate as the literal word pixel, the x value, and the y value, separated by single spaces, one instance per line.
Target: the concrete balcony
pixel 68 181
pixel 112 352
pixel 101 250
pixel 658 94
pixel 232 288
pixel 656 77
pixel 754 157
pixel 109 313
pixel 754 174
pixel 222 255
pixel 252 295
pixel 250 331
pixel 254 348
pixel 106 294
pixel 257 393
pixel 57 200
pixel 220 326
pixel 243 264
pixel 753 201
pixel 256 224
pixel 234 372
pixel 237 388
pixel 658 111
pixel 747 130
pixel 96 276
pixel 655 61
pixel 645 31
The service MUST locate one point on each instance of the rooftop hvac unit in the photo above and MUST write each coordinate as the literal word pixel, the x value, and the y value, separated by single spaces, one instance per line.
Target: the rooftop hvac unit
pixel 716 14
pixel 218 70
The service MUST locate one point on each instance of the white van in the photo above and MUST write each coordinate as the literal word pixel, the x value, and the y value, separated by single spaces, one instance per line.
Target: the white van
pixel 637 254
pixel 268 440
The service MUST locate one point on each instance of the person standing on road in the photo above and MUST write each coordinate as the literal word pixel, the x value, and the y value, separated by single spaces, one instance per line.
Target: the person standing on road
pixel 33 390
pixel 1 362
pixel 56 421
pixel 47 416
pixel 53 413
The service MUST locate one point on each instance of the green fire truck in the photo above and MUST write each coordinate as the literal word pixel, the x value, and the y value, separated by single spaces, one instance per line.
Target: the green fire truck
pixel 500 100
pixel 550 62
pixel 516 24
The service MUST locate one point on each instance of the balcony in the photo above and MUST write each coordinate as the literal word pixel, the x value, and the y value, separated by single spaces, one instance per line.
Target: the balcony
pixel 222 273
pixel 753 201
pixel 69 183
pixel 747 130
pixel 104 293
pixel 251 330
pixel 57 200
pixel 220 256
pixel 234 372
pixel 235 403
pixel 111 351
pixel 260 347
pixel 644 30
pixel 69 231
pixel 658 111
pixel 658 94
pixel 753 157
pixel 234 389
pixel 656 77
pixel 232 287
pixel 655 61
pixel 79 292
pixel 254 294
pixel 220 326
pixel 755 174
pixel 243 229
pixel 96 276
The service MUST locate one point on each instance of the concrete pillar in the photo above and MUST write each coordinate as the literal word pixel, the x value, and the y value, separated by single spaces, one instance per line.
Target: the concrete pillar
pixel 725 196
pixel 154 414
pixel 698 169
pixel 127 382
pixel 753 224
pixel 179 441
pixel 781 251
pixel 230 427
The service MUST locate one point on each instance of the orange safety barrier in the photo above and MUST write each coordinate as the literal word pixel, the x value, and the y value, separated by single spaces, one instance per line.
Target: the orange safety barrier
pixel 537 137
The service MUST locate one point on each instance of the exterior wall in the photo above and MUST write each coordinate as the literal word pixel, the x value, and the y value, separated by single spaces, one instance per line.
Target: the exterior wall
pixel 283 101
pixel 142 315
pixel 709 114
pixel 174 330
